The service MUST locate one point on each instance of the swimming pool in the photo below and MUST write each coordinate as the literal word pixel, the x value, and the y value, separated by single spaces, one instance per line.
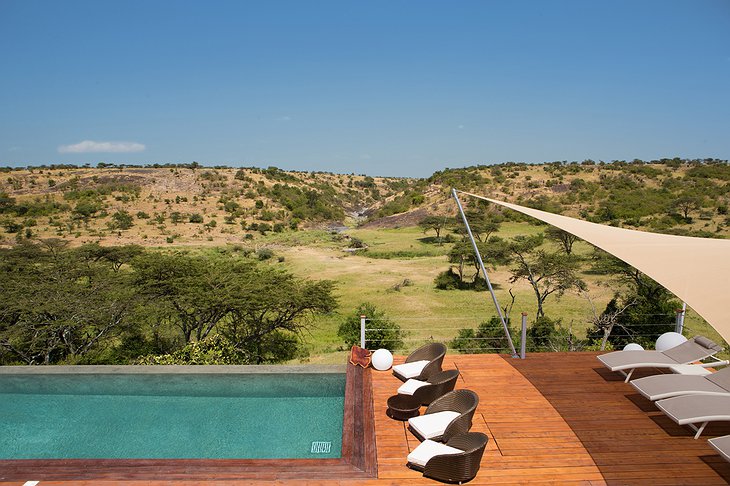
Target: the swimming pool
pixel 171 412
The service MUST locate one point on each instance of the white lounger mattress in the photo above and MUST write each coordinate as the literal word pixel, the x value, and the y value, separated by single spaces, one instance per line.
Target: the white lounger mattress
pixel 432 424
pixel 428 449
pixel 410 370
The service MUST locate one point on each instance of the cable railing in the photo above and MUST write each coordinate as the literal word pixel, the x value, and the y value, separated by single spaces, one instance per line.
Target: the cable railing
pixel 468 337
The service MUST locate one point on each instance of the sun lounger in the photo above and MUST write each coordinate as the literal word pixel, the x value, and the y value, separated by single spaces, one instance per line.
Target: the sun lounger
pixel 722 445
pixel 446 417
pixel 427 391
pixel 695 349
pixel 421 363
pixel 456 461
pixel 696 409
pixel 658 387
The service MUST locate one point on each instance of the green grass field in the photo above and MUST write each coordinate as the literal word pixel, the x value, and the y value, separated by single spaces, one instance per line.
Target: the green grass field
pixel 421 309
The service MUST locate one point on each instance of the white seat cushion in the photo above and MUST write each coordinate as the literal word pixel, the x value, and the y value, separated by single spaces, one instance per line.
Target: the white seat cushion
pixel 410 386
pixel 432 424
pixel 410 370
pixel 429 448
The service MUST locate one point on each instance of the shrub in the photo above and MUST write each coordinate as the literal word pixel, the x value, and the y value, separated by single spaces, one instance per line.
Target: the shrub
pixel 487 338
pixel 196 218
pixel 121 220
pixel 215 350
pixel 540 332
pixel 381 332
pixel 264 254
pixel 447 280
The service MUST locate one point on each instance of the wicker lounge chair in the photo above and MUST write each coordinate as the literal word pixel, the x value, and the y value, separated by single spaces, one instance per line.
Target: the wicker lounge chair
pixel 456 461
pixel 446 417
pixel 428 391
pixel 694 349
pixel 722 445
pixel 421 363
pixel 658 387
pixel 696 409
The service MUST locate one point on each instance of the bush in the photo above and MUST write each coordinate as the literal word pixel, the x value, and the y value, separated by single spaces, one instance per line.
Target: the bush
pixel 540 332
pixel 214 350
pixel 264 254
pixel 195 218
pixel 381 332
pixel 447 280
pixel 121 220
pixel 488 338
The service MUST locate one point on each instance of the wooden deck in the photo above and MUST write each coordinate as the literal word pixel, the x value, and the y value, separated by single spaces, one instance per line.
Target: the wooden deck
pixel 557 418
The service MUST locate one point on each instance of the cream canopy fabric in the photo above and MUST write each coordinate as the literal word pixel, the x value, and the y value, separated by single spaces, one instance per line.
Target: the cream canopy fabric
pixel 697 270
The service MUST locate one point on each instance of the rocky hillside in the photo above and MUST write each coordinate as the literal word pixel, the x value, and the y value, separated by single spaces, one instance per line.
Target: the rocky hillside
pixel 198 205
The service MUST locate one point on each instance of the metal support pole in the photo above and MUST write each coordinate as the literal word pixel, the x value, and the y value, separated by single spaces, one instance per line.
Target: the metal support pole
pixel 362 332
pixel 679 326
pixel 484 272
pixel 523 342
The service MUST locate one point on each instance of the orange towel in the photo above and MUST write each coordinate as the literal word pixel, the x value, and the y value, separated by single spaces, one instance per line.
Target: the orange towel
pixel 360 356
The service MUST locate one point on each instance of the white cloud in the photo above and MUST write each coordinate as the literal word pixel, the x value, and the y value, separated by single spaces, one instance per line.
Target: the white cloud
pixel 365 156
pixel 284 118
pixel 90 146
pixel 460 127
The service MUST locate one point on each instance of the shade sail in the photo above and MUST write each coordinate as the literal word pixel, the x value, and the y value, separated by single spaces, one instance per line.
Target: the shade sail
pixel 697 270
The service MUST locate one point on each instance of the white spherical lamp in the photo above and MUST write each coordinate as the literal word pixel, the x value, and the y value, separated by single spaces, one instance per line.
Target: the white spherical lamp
pixel 633 347
pixel 382 360
pixel 669 340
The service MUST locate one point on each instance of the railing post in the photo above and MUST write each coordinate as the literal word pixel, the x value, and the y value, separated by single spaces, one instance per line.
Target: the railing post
pixel 362 332
pixel 679 326
pixel 523 341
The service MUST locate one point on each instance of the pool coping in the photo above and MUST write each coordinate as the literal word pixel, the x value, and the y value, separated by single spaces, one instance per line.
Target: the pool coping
pixel 170 369
pixel 358 440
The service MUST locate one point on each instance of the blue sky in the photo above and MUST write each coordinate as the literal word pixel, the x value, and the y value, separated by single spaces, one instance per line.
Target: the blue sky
pixel 400 88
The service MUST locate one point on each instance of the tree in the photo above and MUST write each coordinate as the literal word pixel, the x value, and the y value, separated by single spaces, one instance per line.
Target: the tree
pixel 482 223
pixel 687 203
pixel 547 273
pixel 435 223
pixel 270 312
pixel 261 311
pixel 381 331
pixel 640 312
pixel 121 220
pixel 563 238
pixel 192 293
pixel 58 306
pixel 493 252
pixel 114 255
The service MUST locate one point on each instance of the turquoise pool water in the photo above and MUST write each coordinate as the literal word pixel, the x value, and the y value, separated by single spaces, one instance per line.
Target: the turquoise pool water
pixel 171 416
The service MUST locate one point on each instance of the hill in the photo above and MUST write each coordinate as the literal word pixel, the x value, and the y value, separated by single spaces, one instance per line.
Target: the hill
pixel 195 205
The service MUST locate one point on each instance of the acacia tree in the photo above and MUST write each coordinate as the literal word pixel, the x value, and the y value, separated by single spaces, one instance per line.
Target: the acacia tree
pixel 259 310
pixel 191 293
pixel 547 273
pixel 493 252
pixel 271 310
pixel 58 306
pixel 687 203
pixel 562 238
pixel 639 312
pixel 483 223
pixel 435 223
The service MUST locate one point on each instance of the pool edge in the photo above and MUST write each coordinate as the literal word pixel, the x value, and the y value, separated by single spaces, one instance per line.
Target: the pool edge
pixel 358 461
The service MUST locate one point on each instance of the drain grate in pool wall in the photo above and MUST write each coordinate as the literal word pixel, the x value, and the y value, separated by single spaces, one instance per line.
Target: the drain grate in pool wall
pixel 321 447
